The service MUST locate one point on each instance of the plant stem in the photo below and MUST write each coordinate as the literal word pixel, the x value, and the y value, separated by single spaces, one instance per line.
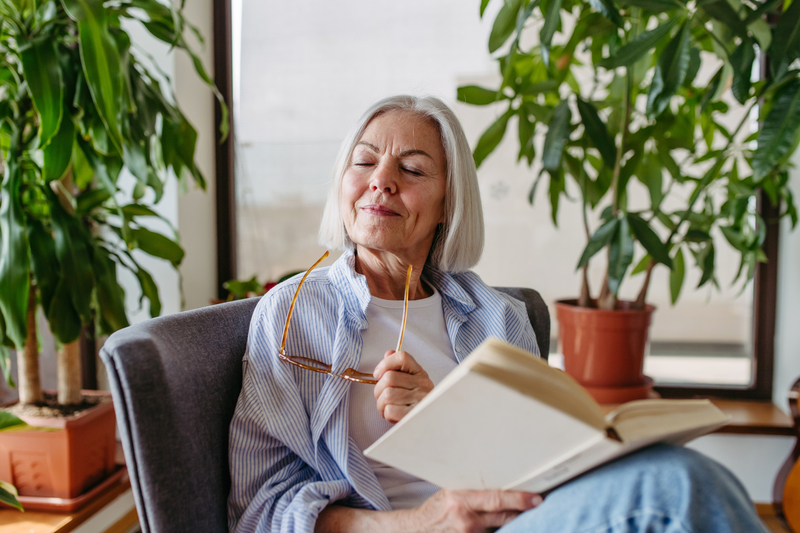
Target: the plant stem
pixel 585 299
pixel 30 386
pixel 641 299
pixel 608 300
pixel 69 373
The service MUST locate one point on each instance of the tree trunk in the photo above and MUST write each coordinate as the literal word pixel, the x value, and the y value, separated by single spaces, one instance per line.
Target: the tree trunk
pixel 30 386
pixel 607 300
pixel 69 373
pixel 641 300
pixel 585 299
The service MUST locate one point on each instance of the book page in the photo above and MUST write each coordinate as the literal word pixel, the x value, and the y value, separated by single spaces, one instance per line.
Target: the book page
pixel 647 419
pixel 476 433
pixel 533 377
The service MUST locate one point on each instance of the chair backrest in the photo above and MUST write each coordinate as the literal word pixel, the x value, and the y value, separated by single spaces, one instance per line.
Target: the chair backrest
pixel 175 381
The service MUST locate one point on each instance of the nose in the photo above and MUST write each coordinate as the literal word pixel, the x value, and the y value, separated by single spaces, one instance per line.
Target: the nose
pixel 384 178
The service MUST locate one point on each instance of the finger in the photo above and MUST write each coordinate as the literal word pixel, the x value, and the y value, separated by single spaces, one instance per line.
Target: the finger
pixel 395 396
pixel 395 413
pixel 400 361
pixel 497 519
pixel 400 380
pixel 500 500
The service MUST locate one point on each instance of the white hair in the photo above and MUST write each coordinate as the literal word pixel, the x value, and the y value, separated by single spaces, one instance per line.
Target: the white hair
pixel 458 243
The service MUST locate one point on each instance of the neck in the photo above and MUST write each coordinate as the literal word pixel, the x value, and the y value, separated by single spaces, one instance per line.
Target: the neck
pixel 386 274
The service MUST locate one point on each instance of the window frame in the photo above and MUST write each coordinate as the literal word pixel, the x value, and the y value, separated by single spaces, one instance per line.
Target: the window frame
pixel 766 275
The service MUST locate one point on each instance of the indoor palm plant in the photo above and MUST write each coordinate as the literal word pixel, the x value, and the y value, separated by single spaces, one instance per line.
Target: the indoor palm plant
pixel 79 103
pixel 615 88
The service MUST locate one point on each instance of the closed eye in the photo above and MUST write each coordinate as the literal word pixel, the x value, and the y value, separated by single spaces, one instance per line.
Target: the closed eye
pixel 412 171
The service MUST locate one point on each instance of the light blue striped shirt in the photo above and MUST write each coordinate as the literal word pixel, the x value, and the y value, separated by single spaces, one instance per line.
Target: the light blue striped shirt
pixel 290 453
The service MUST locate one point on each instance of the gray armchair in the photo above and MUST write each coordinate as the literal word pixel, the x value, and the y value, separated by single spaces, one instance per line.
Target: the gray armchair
pixel 175 381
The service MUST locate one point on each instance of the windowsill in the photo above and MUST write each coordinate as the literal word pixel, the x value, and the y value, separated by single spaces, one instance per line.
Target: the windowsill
pixel 752 417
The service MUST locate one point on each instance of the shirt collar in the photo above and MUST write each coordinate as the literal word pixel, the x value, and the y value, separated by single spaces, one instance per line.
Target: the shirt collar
pixel 344 277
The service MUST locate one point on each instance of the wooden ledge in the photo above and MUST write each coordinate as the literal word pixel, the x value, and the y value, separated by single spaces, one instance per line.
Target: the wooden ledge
pixel 751 417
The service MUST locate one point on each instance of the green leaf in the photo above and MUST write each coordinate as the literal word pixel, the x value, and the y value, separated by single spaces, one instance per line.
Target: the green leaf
pixel 551 21
pixel 742 60
pixel 110 296
pixel 504 24
pixel 638 47
pixel 598 133
pixel 697 235
pixel 723 12
pixel 676 276
pixel 82 172
pixel 149 291
pixel 484 3
pixel 779 130
pixel 785 46
pixel 711 90
pixel 101 62
pixel 7 420
pixel 620 255
pixel 73 252
pixel 707 264
pixel 642 265
pixel 765 7
pixel 158 245
pixel 178 141
pixel 651 174
pixel 90 200
pixel 472 94
pixel 670 72
pixel 14 258
pixel 44 260
pixel 64 320
pixel 527 148
pixel 656 6
pixel 762 33
pixel 601 237
pixel 557 135
pixel 43 74
pixel 8 495
pixel 608 9
pixel 648 238
pixel 491 137
pixel 557 186
pixel 5 361
pixel 58 153
pixel 694 66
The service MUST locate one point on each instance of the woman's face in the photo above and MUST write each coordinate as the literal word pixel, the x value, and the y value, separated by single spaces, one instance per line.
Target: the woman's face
pixel 394 186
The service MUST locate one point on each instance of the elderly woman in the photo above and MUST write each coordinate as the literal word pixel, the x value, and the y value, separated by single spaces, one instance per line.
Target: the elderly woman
pixel 405 193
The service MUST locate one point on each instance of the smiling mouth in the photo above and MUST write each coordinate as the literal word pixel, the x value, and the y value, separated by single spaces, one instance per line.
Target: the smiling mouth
pixel 379 210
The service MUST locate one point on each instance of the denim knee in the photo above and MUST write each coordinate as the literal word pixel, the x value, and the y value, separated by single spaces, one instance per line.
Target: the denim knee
pixel 662 488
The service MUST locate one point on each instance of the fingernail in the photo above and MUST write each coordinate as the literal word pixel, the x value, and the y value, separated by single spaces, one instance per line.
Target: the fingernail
pixel 536 500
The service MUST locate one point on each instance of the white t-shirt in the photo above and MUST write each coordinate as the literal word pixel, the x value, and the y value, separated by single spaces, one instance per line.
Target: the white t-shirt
pixel 427 341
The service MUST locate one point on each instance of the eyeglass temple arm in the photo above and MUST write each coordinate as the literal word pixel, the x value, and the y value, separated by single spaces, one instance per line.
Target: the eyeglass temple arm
pixel 294 300
pixel 405 310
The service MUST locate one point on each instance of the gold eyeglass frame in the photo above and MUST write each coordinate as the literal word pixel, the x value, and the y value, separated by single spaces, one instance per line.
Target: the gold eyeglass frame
pixel 351 374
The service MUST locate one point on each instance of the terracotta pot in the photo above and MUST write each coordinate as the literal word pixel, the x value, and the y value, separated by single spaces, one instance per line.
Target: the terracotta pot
pixel 63 463
pixel 604 350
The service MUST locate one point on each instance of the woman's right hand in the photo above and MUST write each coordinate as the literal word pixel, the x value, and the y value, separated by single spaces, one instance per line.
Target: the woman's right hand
pixel 470 511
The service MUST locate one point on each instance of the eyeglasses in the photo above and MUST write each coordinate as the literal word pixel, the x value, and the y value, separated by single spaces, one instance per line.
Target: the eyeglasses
pixel 351 374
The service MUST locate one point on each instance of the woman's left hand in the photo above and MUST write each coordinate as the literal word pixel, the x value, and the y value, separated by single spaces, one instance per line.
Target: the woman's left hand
pixel 402 384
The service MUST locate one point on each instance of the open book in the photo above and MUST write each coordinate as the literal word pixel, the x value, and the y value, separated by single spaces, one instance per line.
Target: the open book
pixel 504 419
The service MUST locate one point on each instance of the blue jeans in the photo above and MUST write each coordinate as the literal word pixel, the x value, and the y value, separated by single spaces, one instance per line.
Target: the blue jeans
pixel 661 489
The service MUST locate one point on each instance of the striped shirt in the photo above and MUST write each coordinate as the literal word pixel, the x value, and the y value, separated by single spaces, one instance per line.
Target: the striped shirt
pixel 290 453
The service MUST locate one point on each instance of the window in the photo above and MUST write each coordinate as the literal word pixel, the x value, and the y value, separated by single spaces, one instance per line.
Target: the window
pixel 304 73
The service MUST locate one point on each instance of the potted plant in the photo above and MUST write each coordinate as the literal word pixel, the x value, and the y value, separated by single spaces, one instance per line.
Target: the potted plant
pixel 78 105
pixel 613 86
